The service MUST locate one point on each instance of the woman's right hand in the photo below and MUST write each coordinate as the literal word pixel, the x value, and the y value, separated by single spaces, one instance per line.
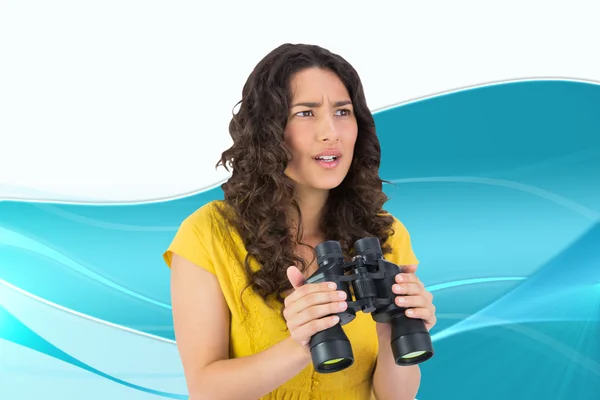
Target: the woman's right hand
pixel 309 308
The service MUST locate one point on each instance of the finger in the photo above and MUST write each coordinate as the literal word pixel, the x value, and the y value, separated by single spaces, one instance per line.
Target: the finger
pixel 428 295
pixel 306 331
pixel 316 312
pixel 313 299
pixel 307 289
pixel 407 277
pixel 408 288
pixel 423 313
pixel 295 277
pixel 428 319
pixel 412 301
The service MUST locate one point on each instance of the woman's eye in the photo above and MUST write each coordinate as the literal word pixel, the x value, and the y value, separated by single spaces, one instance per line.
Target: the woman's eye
pixel 309 113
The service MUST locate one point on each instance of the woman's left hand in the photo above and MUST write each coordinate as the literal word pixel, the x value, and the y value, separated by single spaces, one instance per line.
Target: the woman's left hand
pixel 411 294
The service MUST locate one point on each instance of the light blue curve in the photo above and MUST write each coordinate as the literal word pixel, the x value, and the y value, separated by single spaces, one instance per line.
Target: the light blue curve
pixel 102 224
pixel 20 333
pixel 569 204
pixel 465 282
pixel 14 239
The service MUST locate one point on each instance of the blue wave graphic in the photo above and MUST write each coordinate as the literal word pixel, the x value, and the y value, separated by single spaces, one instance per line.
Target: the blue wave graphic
pixel 15 331
pixel 549 294
pixel 498 186
pixel 16 240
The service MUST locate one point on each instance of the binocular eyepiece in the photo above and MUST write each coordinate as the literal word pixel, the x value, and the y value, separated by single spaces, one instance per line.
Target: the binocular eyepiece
pixel 367 281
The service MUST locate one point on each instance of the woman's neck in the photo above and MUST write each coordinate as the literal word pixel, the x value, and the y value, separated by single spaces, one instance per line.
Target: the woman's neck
pixel 311 203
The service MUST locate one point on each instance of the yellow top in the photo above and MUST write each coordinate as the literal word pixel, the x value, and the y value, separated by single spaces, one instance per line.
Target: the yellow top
pixel 204 239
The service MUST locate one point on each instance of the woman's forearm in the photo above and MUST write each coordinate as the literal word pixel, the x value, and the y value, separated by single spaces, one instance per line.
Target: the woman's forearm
pixel 396 383
pixel 391 381
pixel 253 376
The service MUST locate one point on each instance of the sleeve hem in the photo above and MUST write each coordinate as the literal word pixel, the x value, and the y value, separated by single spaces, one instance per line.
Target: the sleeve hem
pixel 168 257
pixel 193 241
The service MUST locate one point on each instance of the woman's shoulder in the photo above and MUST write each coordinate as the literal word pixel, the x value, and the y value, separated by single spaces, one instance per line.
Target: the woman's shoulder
pixel 398 229
pixel 200 233
pixel 209 214
pixel 213 219
pixel 401 244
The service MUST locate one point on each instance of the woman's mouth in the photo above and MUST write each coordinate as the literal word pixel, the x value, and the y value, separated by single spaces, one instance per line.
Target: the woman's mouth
pixel 327 162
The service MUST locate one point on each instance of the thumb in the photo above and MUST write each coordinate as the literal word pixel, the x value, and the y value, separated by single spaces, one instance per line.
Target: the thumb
pixel 295 277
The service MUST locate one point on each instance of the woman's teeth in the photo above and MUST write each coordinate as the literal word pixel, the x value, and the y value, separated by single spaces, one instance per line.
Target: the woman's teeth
pixel 327 158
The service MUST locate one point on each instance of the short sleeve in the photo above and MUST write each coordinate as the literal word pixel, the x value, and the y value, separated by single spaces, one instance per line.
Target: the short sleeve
pixel 400 242
pixel 193 240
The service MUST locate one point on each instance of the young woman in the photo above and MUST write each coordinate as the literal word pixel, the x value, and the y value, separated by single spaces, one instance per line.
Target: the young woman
pixel 304 163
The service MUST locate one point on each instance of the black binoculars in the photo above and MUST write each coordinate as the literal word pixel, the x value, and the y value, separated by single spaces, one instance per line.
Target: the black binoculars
pixel 367 281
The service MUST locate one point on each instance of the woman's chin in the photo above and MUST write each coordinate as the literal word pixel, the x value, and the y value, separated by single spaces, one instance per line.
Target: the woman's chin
pixel 327 184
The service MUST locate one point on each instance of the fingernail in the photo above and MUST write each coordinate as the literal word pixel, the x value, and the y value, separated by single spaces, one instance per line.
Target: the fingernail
pixel 399 278
pixel 401 299
pixel 409 312
pixel 342 295
pixel 332 285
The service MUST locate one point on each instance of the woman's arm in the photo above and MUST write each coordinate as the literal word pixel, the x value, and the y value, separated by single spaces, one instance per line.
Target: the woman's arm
pixel 201 321
pixel 391 381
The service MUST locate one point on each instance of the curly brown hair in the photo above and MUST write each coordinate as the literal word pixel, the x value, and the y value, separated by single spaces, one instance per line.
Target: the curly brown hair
pixel 261 195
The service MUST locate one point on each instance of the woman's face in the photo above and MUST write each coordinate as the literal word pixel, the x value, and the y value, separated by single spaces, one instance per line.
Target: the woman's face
pixel 321 130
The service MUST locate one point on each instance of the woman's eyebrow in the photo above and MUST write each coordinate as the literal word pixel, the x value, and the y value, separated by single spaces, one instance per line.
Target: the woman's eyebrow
pixel 316 104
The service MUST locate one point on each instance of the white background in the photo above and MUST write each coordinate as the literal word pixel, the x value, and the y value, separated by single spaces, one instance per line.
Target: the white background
pixel 120 101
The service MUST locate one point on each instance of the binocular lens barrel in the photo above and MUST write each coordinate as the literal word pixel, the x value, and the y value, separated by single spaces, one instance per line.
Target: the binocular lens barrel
pixel 411 343
pixel 331 350
pixel 368 246
pixel 329 250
